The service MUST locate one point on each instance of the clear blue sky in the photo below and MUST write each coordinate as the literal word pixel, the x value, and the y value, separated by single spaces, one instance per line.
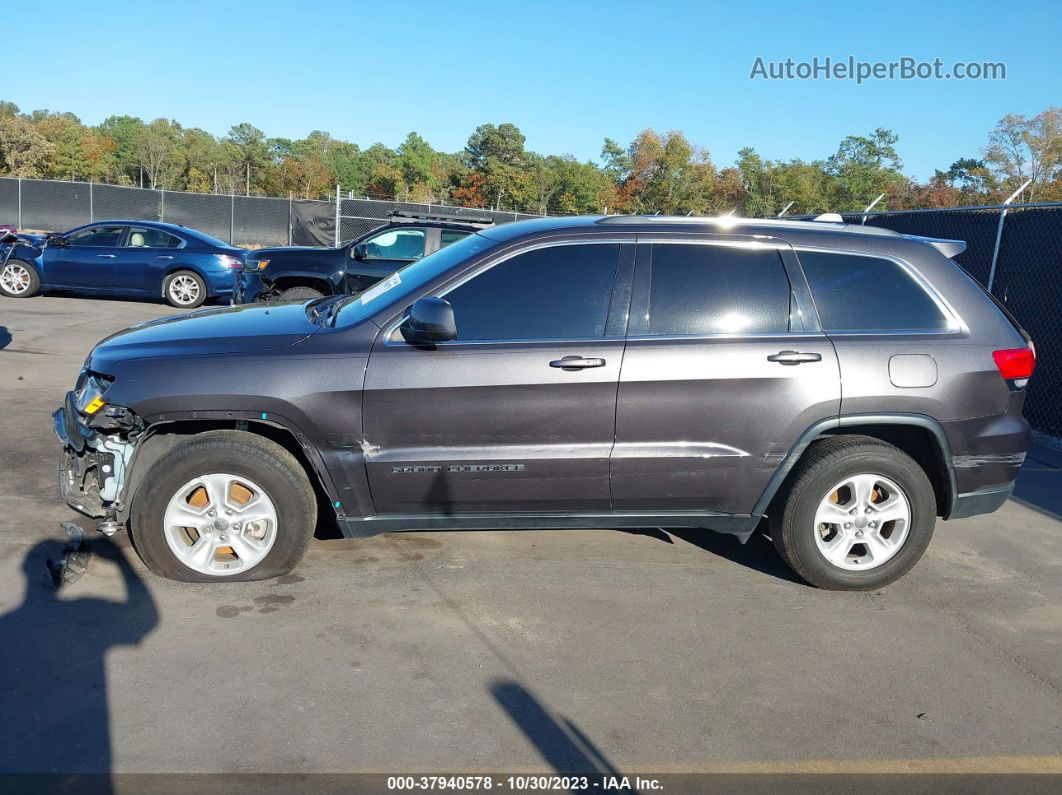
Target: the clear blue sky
pixel 567 74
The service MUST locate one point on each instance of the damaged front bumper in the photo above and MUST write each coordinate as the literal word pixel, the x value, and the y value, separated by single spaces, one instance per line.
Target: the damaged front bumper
pixel 93 461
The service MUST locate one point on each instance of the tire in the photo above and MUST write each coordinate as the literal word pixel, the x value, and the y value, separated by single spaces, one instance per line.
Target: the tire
pixel 249 461
pixel 824 489
pixel 300 294
pixel 19 279
pixel 184 289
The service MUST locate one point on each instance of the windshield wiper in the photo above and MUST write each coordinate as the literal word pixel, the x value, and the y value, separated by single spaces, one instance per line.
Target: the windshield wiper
pixel 325 306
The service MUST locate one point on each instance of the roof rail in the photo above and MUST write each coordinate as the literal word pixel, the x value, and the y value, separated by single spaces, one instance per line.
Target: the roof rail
pixel 732 221
pixel 398 216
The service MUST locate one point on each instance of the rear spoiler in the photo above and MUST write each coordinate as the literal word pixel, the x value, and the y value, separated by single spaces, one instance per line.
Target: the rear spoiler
pixel 949 248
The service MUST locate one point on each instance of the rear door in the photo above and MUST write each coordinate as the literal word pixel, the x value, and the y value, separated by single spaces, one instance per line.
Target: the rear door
pixel 146 254
pixel 87 261
pixel 518 413
pixel 725 367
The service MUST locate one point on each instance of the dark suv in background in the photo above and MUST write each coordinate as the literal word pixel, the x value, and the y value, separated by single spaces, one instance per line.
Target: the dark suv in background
pixel 302 273
pixel 847 385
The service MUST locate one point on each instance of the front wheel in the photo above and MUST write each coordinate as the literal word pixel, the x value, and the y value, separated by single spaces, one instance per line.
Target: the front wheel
pixel 858 515
pixel 185 289
pixel 18 279
pixel 223 505
pixel 300 294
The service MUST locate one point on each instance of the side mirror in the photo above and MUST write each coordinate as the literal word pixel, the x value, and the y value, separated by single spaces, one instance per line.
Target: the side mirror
pixel 58 241
pixel 430 320
pixel 360 251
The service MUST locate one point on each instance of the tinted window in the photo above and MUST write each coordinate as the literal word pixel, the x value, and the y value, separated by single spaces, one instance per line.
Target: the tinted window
pixel 717 290
pixel 856 293
pixel 558 292
pixel 396 244
pixel 449 236
pixel 145 237
pixel 96 236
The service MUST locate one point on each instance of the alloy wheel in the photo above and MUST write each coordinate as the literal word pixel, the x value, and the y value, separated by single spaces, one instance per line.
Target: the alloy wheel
pixel 220 524
pixel 184 290
pixel 862 522
pixel 15 278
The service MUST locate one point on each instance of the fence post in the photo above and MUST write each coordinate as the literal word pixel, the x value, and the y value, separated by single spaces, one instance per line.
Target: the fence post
pixel 162 205
pixel 999 233
pixel 232 219
pixel 871 207
pixel 290 208
pixel 337 217
pixel 20 204
pixel 92 209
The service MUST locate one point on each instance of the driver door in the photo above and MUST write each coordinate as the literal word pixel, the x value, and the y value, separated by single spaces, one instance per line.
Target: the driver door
pixel 493 421
pixel 87 261
pixel 385 252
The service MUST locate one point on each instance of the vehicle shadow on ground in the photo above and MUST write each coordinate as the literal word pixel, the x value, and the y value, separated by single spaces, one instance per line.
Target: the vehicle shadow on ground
pixel 560 742
pixel 5 337
pixel 758 553
pixel 53 650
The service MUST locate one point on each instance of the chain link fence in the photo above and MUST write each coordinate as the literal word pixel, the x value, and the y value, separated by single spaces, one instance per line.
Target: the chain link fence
pixel 49 205
pixel 1016 252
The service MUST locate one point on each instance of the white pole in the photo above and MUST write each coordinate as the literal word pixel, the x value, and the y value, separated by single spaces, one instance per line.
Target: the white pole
pixel 337 217
pixel 870 207
pixel 999 233
pixel 785 209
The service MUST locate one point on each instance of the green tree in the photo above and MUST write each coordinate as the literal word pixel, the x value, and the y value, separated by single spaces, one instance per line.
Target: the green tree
pixel 24 152
pixel 497 155
pixel 862 168
pixel 1021 148
pixel 125 132
pixel 159 153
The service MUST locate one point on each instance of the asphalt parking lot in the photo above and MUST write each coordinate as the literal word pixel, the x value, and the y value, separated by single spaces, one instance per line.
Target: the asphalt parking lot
pixel 515 651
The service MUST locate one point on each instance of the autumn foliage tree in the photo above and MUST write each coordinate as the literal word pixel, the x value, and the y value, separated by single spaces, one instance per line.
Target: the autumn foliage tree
pixel 654 173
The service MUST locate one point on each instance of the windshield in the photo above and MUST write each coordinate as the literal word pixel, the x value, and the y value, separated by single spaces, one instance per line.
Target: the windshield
pixel 407 280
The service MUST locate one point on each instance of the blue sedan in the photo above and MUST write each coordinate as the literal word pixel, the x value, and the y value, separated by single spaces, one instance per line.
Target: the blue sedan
pixel 133 258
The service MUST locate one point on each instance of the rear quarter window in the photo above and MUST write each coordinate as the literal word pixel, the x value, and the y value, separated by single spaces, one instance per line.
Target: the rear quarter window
pixel 855 292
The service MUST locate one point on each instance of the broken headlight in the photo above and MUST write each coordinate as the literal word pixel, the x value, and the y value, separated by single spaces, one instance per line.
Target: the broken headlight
pixel 89 396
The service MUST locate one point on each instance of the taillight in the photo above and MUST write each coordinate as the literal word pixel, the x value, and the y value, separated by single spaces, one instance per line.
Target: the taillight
pixel 1016 364
pixel 230 262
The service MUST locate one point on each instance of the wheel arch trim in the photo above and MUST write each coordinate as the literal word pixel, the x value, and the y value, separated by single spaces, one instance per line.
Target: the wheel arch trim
pixel 239 421
pixel 820 429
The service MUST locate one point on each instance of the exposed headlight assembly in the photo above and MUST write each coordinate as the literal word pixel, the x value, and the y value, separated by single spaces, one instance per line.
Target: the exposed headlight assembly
pixel 90 395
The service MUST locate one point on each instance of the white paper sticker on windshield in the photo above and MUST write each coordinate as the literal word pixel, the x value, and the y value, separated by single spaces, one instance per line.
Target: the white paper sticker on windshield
pixel 380 288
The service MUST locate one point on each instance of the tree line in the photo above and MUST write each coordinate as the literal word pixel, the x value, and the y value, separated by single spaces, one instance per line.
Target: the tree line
pixel 654 173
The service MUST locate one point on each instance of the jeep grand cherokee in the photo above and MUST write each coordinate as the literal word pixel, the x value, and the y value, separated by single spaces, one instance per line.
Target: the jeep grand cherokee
pixel 843 385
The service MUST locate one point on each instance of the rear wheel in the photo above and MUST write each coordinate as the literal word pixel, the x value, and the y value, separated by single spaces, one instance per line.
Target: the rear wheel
pixel 300 294
pixel 185 289
pixel 858 515
pixel 18 279
pixel 224 505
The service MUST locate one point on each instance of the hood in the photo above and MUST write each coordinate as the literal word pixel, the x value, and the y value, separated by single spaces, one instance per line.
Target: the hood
pixel 279 251
pixel 234 329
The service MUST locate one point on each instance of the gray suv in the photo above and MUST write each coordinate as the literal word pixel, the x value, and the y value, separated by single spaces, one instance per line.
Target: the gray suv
pixel 841 385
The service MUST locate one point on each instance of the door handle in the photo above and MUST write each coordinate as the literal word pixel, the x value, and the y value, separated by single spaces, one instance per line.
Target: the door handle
pixel 576 363
pixel 106 256
pixel 794 357
pixel 164 256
